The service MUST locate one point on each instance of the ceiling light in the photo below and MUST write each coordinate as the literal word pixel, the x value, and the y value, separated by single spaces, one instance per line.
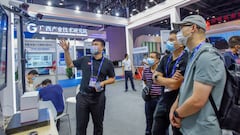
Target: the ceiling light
pixel 213 16
pixel 98 11
pixel 77 8
pixel 190 13
pixel 62 0
pixel 109 9
pixel 151 0
pixel 60 3
pixel 49 3
pixel 146 7
pixel 197 10
pixel 131 14
pixel 116 14
pixel 161 21
pixel 208 18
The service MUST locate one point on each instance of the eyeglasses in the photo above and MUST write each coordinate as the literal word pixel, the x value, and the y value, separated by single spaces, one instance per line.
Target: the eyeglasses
pixel 184 25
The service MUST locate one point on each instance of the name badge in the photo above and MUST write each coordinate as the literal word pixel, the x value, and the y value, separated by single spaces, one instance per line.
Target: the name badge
pixel 93 81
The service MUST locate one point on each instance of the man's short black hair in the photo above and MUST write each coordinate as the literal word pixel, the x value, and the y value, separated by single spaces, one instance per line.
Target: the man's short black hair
pixel 157 54
pixel 233 41
pixel 33 72
pixel 125 55
pixel 46 81
pixel 174 32
pixel 99 40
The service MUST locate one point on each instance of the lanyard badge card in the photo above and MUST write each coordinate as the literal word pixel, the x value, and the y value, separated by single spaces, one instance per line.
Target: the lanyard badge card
pixel 94 79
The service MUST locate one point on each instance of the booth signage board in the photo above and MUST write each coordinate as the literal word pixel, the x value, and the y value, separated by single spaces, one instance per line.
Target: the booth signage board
pixel 140 50
pixel 164 38
pixel 33 45
pixel 138 54
pixel 56 30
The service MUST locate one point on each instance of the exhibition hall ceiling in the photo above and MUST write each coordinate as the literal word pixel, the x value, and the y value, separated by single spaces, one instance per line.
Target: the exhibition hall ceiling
pixel 213 10
pixel 210 9
pixel 121 8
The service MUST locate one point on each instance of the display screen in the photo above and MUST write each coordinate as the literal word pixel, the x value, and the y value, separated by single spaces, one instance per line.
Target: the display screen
pixel 35 60
pixel 3 48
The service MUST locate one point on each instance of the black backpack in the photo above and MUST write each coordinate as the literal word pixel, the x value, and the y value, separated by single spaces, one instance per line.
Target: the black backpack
pixel 229 113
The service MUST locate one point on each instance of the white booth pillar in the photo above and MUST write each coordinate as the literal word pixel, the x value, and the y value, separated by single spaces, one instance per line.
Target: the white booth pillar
pixel 129 42
pixel 175 15
pixel 8 94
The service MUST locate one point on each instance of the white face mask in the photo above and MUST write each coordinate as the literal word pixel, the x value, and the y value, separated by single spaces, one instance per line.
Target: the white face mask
pixel 181 38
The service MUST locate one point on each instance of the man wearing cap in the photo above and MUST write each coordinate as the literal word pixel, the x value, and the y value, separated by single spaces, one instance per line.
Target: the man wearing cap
pixel 205 74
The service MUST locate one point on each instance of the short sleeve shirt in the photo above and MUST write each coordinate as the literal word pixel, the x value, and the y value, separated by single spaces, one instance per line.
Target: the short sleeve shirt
pixel 169 97
pixel 181 65
pixel 156 89
pixel 127 64
pixel 206 68
pixel 53 93
pixel 84 64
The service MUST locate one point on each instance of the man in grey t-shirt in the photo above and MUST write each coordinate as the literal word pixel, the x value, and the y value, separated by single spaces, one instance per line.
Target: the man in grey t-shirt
pixel 205 74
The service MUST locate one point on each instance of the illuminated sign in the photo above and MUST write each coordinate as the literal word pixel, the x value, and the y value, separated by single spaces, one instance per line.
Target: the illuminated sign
pixel 225 18
pixel 56 30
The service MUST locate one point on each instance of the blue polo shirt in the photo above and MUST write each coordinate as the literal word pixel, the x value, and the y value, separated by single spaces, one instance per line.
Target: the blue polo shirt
pixel 54 94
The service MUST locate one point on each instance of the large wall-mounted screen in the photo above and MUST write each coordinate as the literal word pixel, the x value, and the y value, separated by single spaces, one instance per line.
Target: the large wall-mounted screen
pixel 3 48
pixel 35 60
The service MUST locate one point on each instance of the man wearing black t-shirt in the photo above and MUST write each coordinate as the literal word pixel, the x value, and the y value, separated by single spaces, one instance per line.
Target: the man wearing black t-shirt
pixel 91 96
pixel 171 65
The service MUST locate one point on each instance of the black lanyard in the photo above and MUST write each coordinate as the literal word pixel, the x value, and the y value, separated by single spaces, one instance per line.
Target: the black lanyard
pixel 99 69
pixel 175 65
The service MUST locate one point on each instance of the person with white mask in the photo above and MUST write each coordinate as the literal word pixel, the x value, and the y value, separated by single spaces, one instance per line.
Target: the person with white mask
pixel 171 64
pixel 205 75
pixel 154 90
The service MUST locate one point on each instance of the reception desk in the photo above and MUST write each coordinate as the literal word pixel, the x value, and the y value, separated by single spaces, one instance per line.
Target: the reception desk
pixel 44 130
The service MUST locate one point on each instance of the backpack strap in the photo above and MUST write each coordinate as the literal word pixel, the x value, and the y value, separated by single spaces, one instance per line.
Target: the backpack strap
pixel 211 49
pixel 214 107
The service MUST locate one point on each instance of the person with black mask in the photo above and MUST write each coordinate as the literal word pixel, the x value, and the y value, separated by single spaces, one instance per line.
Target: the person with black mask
pixel 173 63
pixel 98 72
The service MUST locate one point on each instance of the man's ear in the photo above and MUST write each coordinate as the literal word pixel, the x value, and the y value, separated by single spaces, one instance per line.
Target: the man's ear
pixel 193 28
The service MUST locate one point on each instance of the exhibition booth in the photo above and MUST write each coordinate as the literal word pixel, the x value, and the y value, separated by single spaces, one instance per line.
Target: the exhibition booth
pixel 43 53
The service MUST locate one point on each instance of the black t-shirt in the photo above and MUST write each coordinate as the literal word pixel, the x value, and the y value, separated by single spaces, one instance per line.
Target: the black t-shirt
pixel 84 64
pixel 169 97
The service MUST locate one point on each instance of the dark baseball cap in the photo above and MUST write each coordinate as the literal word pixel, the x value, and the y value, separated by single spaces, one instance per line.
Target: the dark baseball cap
pixel 193 19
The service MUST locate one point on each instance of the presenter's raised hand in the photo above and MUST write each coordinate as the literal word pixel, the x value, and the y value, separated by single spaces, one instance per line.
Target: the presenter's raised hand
pixel 64 44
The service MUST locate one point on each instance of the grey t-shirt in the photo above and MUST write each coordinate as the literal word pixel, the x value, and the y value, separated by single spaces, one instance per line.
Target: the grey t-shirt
pixel 209 69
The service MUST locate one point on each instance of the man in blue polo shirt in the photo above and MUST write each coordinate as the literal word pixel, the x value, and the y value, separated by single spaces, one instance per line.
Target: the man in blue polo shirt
pixel 231 55
pixel 53 93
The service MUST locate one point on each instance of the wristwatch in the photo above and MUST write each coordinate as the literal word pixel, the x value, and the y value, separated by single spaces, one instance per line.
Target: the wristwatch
pixel 175 114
